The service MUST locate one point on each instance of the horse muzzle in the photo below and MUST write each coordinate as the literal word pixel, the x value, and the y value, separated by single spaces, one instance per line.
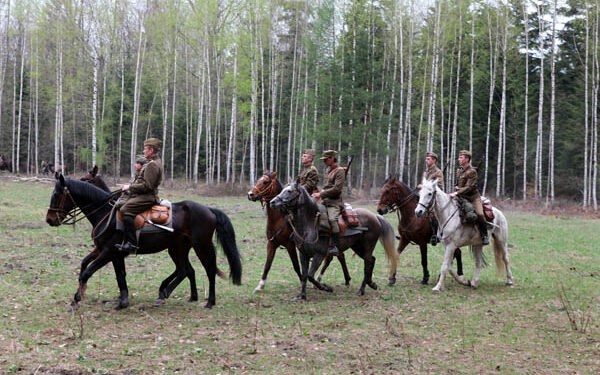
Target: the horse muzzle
pixel 252 197
pixel 382 210
pixel 52 219
pixel 276 203
pixel 419 212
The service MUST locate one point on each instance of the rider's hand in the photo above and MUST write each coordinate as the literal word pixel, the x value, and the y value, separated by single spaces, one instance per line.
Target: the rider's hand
pixel 419 186
pixel 316 195
pixel 125 187
pixel 452 195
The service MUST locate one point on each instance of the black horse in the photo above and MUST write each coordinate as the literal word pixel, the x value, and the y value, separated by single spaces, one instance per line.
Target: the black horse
pixel 193 224
pixel 304 210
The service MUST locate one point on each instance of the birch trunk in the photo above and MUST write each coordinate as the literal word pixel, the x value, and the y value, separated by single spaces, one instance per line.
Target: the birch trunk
pixel 471 83
pixel 391 112
pixel 550 188
pixel 119 142
pixel 229 166
pixel 16 164
pixel 94 102
pixel 586 99
pixel 199 126
pixel 173 109
pixel 501 129
pixel 134 123
pixel 526 119
pixel 493 64
pixel 537 191
pixel 289 143
pixel 406 140
pixel 452 157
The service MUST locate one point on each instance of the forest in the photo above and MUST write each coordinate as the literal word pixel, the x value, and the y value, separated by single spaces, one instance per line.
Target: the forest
pixel 236 87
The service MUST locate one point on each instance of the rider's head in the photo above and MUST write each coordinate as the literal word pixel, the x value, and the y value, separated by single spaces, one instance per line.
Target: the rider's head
pixel 152 147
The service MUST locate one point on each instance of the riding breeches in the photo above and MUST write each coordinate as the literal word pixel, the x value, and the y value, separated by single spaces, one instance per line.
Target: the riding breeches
pixel 333 213
pixel 478 210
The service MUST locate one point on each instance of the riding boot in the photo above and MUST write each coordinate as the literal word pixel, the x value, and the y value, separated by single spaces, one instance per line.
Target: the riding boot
pixel 131 245
pixel 484 233
pixel 333 250
pixel 434 229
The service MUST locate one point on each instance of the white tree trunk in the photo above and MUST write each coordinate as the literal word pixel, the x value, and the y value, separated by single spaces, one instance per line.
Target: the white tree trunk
pixel 18 156
pixel 501 129
pixel 493 65
pixel 538 150
pixel 550 188
pixel 526 119
pixel 232 129
pixel 94 103
pixel 471 83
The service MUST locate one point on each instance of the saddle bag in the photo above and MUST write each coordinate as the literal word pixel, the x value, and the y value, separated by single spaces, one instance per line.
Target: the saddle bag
pixel 467 212
pixel 323 219
pixel 350 216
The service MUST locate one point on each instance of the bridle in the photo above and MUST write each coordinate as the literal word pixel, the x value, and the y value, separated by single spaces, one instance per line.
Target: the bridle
pixel 431 202
pixel 73 215
pixel 266 193
pixel 395 205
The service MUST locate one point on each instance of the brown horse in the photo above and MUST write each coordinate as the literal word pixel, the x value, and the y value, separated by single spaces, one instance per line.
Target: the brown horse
pixel 397 196
pixel 278 229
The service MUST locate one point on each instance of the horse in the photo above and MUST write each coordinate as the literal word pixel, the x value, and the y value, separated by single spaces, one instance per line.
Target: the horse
pixel 279 230
pixel 69 195
pixel 397 196
pixel 295 200
pixel 95 179
pixel 454 234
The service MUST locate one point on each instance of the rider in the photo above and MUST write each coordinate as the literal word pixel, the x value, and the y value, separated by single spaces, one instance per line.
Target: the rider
pixel 466 187
pixel 331 195
pixel 143 192
pixel 432 172
pixel 309 177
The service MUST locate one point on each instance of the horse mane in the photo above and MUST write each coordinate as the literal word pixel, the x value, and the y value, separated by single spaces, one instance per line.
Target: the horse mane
pixel 93 192
pixel 271 175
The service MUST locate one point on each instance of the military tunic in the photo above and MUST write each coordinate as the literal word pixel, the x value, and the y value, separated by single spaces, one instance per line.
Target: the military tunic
pixel 466 187
pixel 144 190
pixel 331 195
pixel 433 173
pixel 309 178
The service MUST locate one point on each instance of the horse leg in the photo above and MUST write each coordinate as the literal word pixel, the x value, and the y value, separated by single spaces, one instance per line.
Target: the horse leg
pixel 342 260
pixel 291 249
pixel 326 262
pixel 478 254
pixel 120 273
pixel 165 283
pixel 104 257
pixel 271 249
pixel 84 264
pixel 423 248
pixel 316 262
pixel 449 254
pixel 459 266
pixel 369 260
pixel 304 261
pixel 209 261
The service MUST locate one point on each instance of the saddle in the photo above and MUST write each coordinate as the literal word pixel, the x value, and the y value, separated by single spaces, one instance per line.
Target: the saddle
pixel 347 220
pixel 158 214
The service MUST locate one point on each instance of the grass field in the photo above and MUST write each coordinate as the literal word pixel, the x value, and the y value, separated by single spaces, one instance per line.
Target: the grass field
pixel 548 323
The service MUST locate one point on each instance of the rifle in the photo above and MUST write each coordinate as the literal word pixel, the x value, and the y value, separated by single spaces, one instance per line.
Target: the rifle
pixel 348 167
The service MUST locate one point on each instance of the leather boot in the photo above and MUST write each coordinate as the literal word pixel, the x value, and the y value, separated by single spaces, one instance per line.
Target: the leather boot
pixel 333 250
pixel 130 245
pixel 434 228
pixel 484 233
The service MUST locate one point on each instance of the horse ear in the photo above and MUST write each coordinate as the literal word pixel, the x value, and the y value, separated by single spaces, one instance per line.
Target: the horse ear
pixel 61 178
pixel 95 171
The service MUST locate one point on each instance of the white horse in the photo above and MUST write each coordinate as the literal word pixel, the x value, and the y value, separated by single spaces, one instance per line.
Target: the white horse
pixel 454 234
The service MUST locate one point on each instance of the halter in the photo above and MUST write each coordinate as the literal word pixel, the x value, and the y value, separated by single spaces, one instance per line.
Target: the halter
pixel 394 206
pixel 73 213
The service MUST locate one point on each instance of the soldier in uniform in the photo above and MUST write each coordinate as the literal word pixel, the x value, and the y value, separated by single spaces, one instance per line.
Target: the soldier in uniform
pixel 143 192
pixel 466 187
pixel 331 196
pixel 431 173
pixel 140 160
pixel 309 176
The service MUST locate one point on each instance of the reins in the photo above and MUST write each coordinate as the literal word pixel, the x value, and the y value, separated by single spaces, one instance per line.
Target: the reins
pixel 299 237
pixel 72 214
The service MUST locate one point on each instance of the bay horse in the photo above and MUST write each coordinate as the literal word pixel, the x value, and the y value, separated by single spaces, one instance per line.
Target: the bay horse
pixel 397 196
pixel 193 224
pixel 455 234
pixel 278 229
pixel 295 201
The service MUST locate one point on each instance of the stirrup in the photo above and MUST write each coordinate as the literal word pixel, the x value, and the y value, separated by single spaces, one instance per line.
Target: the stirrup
pixel 333 251
pixel 127 247
pixel 485 240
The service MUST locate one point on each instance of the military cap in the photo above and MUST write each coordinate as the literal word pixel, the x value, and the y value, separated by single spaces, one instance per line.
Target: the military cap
pixel 465 153
pixel 431 154
pixel 154 142
pixel 310 152
pixel 141 159
pixel 328 154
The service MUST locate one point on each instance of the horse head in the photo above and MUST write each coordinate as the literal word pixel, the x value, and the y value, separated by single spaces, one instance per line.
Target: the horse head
pixel 95 179
pixel 289 199
pixel 394 195
pixel 265 188
pixel 427 196
pixel 61 202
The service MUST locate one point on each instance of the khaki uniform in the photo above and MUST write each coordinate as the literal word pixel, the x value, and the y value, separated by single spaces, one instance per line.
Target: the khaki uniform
pixel 433 173
pixel 331 195
pixel 466 187
pixel 144 190
pixel 309 178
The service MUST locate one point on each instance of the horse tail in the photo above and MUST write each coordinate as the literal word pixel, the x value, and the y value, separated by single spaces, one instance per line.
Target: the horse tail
pixel 500 236
pixel 388 242
pixel 226 237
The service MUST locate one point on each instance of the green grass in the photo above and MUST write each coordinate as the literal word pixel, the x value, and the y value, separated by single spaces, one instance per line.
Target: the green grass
pixel 400 329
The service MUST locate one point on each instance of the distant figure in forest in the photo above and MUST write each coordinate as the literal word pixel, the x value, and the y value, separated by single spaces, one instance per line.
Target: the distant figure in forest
pixel 309 176
pixel 5 164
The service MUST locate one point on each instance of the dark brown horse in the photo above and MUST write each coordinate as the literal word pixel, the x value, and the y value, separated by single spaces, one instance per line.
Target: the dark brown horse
pixel 95 204
pixel 278 229
pixel 396 196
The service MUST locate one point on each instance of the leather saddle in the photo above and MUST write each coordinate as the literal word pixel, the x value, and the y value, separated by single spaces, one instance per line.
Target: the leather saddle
pixel 158 214
pixel 348 221
pixel 488 210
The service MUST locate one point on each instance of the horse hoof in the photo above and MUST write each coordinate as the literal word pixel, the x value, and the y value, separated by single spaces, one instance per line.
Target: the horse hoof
pixel 361 292
pixel 193 299
pixel 424 282
pixel 392 282
pixel 257 289
pixel 74 306
pixel 159 302
pixel 208 305
pixel 372 285
pixel 436 290
pixel 509 283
